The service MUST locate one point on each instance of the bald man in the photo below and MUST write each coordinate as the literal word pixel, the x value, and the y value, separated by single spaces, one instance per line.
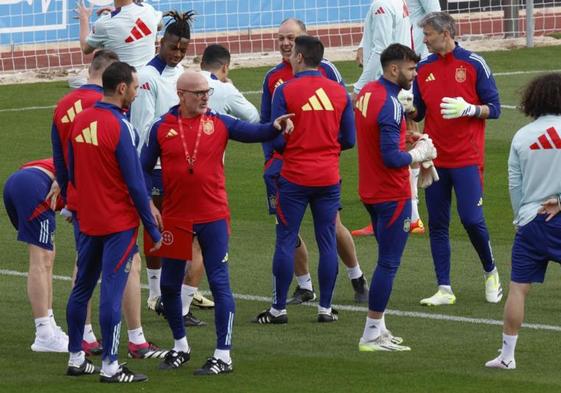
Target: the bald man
pixel 191 140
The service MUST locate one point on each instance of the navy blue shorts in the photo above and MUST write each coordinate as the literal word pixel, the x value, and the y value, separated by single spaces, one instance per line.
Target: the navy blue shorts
pixel 535 244
pixel 157 183
pixel 30 214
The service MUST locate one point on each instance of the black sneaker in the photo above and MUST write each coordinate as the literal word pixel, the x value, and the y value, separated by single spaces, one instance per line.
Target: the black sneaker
pixel 329 317
pixel 191 320
pixel 360 287
pixel 174 359
pixel 124 375
pixel 86 368
pixel 214 366
pixel 301 295
pixel 265 317
pixel 159 307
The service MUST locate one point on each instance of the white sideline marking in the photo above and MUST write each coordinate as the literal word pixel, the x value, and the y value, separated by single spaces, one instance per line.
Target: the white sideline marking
pixel 398 313
pixel 27 108
pixel 254 92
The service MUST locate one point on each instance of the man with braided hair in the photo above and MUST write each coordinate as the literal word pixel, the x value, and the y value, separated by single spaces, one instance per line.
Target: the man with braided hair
pixel 157 93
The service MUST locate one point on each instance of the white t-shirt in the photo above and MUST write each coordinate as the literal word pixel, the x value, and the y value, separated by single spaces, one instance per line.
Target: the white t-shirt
pixel 533 167
pixel 386 23
pixel 156 94
pixel 129 31
pixel 228 99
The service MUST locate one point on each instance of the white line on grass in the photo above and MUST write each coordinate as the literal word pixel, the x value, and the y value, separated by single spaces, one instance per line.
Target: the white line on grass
pixel 27 108
pixel 398 313
pixel 255 92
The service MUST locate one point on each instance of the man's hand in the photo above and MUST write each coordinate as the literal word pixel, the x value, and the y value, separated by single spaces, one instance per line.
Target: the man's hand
pixel 82 11
pixel 53 194
pixel 157 216
pixel 359 57
pixel 284 123
pixel 452 108
pixel 551 207
pixel 405 98
pixel 156 246
pixel 423 150
pixel 67 214
pixel 427 174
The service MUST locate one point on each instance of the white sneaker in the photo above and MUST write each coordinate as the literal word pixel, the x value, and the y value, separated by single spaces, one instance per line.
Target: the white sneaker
pixel 201 302
pixel 151 302
pixel 55 343
pixel 493 288
pixel 394 339
pixel 59 332
pixel 439 298
pixel 498 362
pixel 381 343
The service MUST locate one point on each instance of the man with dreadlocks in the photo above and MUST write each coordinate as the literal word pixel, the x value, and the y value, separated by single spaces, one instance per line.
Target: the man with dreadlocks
pixel 129 30
pixel 157 93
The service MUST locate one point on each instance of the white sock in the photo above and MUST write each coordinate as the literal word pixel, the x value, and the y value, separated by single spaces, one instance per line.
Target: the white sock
pixel 446 289
pixel 383 327
pixel 414 176
pixel 89 335
pixel 354 272
pixel 43 327
pixel 181 345
pixel 76 358
pixel 223 354
pixel 109 368
pixel 372 329
pixel 509 345
pixel 305 281
pixel 275 313
pixel 136 336
pixel 154 282
pixel 52 317
pixel 187 293
pixel 324 310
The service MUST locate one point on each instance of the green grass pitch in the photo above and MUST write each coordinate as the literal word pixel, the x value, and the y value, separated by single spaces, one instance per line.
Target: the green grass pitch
pixel 303 356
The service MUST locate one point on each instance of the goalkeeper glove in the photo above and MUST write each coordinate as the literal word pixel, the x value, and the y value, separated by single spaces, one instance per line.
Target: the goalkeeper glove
pixel 405 98
pixel 423 150
pixel 452 108
pixel 427 174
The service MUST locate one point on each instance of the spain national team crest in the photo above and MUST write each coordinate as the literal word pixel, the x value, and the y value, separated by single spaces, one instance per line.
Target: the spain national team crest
pixel 208 127
pixel 461 75
pixel 407 225
pixel 167 238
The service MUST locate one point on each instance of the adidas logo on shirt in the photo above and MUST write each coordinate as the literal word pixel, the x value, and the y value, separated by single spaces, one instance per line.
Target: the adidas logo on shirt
pixel 379 11
pixel 171 133
pixel 314 104
pixel 362 103
pixel 72 112
pixel 279 82
pixel 145 86
pixel 138 31
pixel 430 78
pixel 88 135
pixel 549 140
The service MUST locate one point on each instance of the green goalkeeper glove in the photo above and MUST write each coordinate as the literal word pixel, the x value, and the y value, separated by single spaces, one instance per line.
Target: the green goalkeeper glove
pixel 452 108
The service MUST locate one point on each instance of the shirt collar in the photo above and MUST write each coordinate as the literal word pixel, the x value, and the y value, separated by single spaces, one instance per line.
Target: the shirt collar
pixel 391 86
pixel 307 73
